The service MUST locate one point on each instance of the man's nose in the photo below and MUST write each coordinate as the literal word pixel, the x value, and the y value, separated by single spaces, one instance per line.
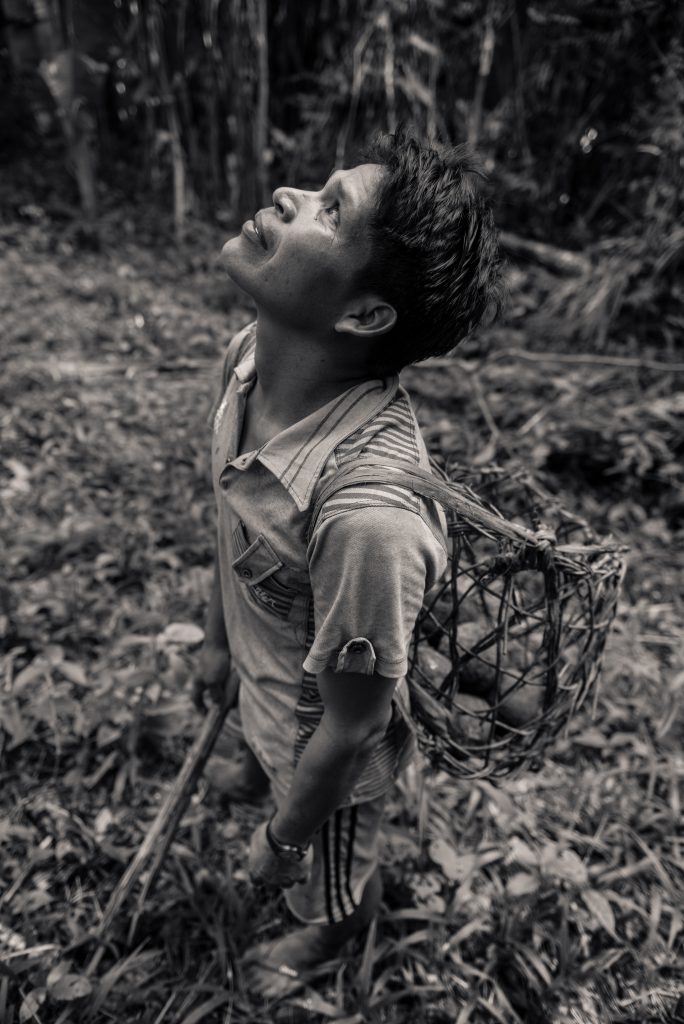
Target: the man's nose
pixel 285 201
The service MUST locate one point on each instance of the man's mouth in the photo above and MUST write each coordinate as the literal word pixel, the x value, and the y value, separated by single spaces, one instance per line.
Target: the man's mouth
pixel 253 229
pixel 259 228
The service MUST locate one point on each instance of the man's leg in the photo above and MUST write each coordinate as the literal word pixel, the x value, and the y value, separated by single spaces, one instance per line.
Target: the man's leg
pixel 233 770
pixel 240 778
pixel 337 902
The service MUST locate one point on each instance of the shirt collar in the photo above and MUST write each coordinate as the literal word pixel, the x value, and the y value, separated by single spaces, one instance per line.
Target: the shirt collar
pixel 297 456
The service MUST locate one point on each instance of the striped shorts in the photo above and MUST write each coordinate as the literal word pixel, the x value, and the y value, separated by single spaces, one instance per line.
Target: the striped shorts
pixel 345 852
pixel 345 857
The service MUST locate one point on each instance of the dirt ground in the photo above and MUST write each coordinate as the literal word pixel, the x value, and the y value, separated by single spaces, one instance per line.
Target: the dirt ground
pixel 553 897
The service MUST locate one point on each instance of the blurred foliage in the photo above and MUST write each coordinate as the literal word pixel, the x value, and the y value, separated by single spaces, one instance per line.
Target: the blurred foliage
pixel 576 108
pixel 576 105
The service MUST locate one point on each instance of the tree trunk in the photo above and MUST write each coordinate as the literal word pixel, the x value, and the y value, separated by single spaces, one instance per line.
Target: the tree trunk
pixel 261 119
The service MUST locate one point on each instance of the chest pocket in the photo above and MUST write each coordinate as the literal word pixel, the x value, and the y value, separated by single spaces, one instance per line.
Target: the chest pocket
pixel 278 589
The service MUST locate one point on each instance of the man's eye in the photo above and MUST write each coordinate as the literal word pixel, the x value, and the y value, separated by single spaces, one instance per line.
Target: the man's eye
pixel 333 211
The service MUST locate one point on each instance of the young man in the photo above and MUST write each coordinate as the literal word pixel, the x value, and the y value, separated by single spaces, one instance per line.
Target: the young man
pixel 390 262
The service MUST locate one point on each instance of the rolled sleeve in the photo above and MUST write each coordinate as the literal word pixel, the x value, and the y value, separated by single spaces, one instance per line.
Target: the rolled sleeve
pixel 357 656
pixel 369 571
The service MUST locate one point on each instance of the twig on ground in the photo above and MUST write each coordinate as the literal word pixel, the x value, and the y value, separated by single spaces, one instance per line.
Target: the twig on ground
pixel 562 261
pixel 554 357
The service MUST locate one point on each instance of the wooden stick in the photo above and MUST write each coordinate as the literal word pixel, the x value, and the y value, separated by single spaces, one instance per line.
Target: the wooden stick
pixel 163 828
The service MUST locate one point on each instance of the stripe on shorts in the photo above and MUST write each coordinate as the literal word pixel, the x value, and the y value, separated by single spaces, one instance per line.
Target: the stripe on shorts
pixel 337 839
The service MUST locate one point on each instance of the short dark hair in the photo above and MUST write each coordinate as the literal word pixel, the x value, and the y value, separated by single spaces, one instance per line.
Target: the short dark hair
pixel 435 254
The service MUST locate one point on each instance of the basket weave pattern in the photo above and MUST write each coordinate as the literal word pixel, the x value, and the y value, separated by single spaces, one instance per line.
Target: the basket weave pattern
pixel 509 644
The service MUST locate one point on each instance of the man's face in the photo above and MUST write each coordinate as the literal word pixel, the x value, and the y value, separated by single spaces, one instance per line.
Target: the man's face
pixel 299 258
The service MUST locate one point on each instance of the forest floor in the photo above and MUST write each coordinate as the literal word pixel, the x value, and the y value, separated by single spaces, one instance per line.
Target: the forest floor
pixel 553 897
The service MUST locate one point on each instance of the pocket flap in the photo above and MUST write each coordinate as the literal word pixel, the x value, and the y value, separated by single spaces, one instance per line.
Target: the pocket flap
pixel 257 562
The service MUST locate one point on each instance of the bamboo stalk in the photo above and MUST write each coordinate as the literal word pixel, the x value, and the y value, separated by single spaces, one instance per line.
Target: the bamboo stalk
pixel 484 70
pixel 261 113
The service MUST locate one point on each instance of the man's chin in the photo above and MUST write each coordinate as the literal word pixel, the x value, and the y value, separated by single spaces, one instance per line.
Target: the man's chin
pixel 228 251
pixel 232 259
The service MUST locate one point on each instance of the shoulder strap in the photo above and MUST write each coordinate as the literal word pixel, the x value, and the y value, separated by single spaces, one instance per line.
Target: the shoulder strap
pixel 454 496
pixel 458 498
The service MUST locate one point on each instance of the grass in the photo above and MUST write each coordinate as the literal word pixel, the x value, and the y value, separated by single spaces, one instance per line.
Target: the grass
pixel 554 897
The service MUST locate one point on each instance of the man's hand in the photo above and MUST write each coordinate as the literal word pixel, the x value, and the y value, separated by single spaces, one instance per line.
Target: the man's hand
pixel 213 677
pixel 268 868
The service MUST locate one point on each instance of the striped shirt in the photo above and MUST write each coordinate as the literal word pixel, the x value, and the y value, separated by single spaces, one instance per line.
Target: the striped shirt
pixel 345 598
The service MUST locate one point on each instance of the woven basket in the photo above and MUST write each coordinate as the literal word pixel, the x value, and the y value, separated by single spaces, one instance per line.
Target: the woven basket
pixel 509 645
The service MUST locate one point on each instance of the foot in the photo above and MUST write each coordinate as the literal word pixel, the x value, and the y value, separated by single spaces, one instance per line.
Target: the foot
pixel 278 968
pixel 240 779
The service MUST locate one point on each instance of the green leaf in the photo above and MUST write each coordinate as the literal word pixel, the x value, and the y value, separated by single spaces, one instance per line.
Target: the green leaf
pixel 57 973
pixel 36 670
pixel 522 884
pixel 182 633
pixel 73 672
pixel 563 864
pixel 70 987
pixel 520 853
pixel 600 909
pixel 11 939
pixel 312 1002
pixel 208 1007
pixel 14 724
pixel 365 975
pixel 455 866
pixel 28 1011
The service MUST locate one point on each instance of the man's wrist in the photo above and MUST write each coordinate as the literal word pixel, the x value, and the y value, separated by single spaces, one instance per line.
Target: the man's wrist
pixel 286 849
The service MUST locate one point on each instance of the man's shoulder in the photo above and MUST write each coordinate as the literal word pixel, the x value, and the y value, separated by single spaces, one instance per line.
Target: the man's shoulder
pixel 393 436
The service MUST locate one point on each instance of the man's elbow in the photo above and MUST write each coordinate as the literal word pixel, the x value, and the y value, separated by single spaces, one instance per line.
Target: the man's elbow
pixel 360 737
pixel 367 736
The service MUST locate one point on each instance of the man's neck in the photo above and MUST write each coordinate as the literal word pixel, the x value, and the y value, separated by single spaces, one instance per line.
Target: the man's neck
pixel 298 373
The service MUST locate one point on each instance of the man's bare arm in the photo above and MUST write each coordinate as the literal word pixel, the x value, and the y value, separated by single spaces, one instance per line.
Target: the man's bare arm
pixel 357 710
pixel 214 658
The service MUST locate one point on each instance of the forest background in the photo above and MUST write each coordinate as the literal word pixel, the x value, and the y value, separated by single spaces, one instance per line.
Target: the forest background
pixel 135 135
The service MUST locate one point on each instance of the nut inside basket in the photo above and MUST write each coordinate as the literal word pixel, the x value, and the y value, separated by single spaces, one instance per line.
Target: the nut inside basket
pixel 509 644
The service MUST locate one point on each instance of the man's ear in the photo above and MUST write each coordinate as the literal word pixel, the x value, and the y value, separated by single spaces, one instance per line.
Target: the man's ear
pixel 369 320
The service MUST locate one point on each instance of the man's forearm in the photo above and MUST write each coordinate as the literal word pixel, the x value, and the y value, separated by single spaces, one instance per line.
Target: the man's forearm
pixel 325 776
pixel 214 625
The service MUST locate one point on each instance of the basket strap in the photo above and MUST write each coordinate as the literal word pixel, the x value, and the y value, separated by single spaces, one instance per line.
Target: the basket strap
pixel 460 499
pixel 456 497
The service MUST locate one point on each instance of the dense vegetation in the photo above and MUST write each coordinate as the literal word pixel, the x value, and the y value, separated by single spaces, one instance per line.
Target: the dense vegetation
pixel 135 134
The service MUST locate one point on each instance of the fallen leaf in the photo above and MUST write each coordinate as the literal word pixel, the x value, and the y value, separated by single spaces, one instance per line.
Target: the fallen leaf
pixel 11 939
pixel 600 909
pixel 455 866
pixel 73 672
pixel 522 884
pixel 520 853
pixel 31 1003
pixel 59 971
pixel 563 864
pixel 181 633
pixel 71 987
pixel 103 821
